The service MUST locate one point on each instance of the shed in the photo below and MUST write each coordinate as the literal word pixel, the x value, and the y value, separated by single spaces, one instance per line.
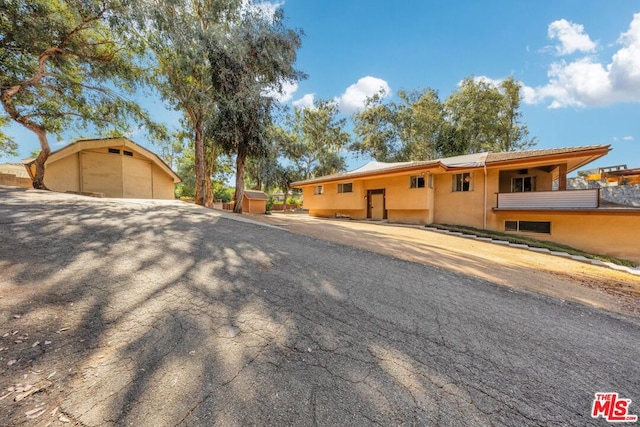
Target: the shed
pixel 254 201
pixel 112 167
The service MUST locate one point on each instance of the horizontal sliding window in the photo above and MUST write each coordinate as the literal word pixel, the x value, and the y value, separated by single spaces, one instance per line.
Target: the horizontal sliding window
pixel 543 227
pixel 346 187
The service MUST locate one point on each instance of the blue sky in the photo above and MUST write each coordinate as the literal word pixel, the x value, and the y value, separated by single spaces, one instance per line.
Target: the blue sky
pixel 578 61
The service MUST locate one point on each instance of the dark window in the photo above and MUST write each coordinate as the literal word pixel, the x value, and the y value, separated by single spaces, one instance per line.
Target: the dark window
pixel 535 226
pixel 127 153
pixel 345 188
pixel 417 181
pixel 462 182
pixel 114 150
pixel 523 184
pixel 511 226
pixel 543 227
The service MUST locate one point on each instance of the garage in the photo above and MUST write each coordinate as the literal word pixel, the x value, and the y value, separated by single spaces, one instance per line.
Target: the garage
pixel 110 167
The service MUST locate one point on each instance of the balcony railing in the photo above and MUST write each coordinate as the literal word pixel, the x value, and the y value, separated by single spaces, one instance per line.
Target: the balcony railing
pixel 569 199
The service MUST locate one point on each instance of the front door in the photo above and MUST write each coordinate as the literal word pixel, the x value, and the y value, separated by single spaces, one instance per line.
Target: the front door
pixel 376 204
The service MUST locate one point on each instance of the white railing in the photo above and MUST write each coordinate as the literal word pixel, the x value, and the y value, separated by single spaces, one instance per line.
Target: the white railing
pixel 570 199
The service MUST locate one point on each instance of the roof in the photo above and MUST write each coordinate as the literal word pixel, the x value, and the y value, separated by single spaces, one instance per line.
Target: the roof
pixel 466 161
pixel 255 195
pixel 81 144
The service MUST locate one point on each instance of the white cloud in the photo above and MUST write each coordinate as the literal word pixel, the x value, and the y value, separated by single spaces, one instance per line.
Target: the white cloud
pixel 571 36
pixel 305 102
pixel 285 94
pixel 588 83
pixel 354 97
pixel 627 138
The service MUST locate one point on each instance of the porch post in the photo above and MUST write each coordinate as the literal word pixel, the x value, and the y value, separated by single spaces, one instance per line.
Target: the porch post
pixel 562 176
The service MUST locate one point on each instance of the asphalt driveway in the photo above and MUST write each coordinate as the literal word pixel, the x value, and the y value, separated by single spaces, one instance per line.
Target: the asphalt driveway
pixel 159 313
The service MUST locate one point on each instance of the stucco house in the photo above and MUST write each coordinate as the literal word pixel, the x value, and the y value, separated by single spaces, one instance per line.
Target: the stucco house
pixel 516 192
pixel 112 167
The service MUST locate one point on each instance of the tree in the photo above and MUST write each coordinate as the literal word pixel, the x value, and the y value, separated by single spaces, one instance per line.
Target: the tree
pixel 178 33
pixel 405 130
pixel 59 64
pixel 7 144
pixel 486 116
pixel 255 56
pixel 314 139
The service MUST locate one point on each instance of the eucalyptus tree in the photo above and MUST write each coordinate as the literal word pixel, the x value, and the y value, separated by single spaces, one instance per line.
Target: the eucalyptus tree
pixel 255 57
pixel 64 64
pixel 314 138
pixel 403 130
pixel 7 144
pixel 178 33
pixel 486 116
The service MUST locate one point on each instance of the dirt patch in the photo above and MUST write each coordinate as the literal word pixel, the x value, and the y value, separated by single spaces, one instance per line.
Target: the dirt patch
pixel 551 275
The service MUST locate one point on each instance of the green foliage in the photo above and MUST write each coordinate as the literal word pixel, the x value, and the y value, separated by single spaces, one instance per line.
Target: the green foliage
pixel 479 116
pixel 254 56
pixel 66 65
pixel 62 60
pixel 486 117
pixel 7 145
pixel 400 131
pixel 314 138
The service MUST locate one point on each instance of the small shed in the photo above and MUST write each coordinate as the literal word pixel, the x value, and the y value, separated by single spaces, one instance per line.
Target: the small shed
pixel 254 201
pixel 113 167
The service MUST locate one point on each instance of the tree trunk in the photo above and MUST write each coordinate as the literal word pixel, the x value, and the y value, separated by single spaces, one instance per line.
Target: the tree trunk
pixel 240 161
pixel 201 185
pixel 38 178
pixel 209 166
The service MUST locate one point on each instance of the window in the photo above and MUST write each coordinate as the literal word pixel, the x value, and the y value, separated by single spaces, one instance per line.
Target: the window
pixel 523 183
pixel 345 188
pixel 318 189
pixel 430 180
pixel 417 181
pixel 114 151
pixel 543 227
pixel 462 182
pixel 127 153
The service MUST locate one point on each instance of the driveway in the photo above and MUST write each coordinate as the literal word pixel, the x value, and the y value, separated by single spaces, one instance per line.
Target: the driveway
pixel 517 268
pixel 151 313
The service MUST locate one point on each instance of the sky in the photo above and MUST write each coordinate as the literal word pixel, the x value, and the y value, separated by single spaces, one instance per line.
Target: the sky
pixel 578 63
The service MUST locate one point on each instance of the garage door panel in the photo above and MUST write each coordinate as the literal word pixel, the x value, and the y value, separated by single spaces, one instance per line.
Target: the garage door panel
pixel 137 178
pixel 102 173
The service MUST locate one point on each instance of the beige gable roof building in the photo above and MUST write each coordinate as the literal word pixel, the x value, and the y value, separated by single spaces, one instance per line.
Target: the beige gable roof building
pixel 111 167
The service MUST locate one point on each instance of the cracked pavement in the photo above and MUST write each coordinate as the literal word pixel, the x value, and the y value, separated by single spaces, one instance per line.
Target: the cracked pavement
pixel 156 313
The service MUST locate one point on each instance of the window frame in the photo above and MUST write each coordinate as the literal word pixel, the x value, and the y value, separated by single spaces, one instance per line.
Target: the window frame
pixel 341 187
pixel 318 190
pixel 415 179
pixel 458 184
pixel 532 184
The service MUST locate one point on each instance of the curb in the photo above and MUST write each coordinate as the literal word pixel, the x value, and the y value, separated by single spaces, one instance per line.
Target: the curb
pixel 634 271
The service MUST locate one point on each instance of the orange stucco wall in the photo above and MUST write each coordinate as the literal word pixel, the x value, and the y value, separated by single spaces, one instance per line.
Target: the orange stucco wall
pixel 63 175
pixel 609 232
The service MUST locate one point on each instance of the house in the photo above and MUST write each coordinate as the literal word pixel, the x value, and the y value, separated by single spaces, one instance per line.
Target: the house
pixel 110 167
pixel 515 192
pixel 254 201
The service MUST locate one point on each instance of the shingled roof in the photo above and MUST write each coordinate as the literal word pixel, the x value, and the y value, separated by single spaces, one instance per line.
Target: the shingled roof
pixel 451 163
pixel 255 195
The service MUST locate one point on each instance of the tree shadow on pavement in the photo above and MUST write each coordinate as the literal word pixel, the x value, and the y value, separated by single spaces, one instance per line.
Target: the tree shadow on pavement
pixel 173 315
